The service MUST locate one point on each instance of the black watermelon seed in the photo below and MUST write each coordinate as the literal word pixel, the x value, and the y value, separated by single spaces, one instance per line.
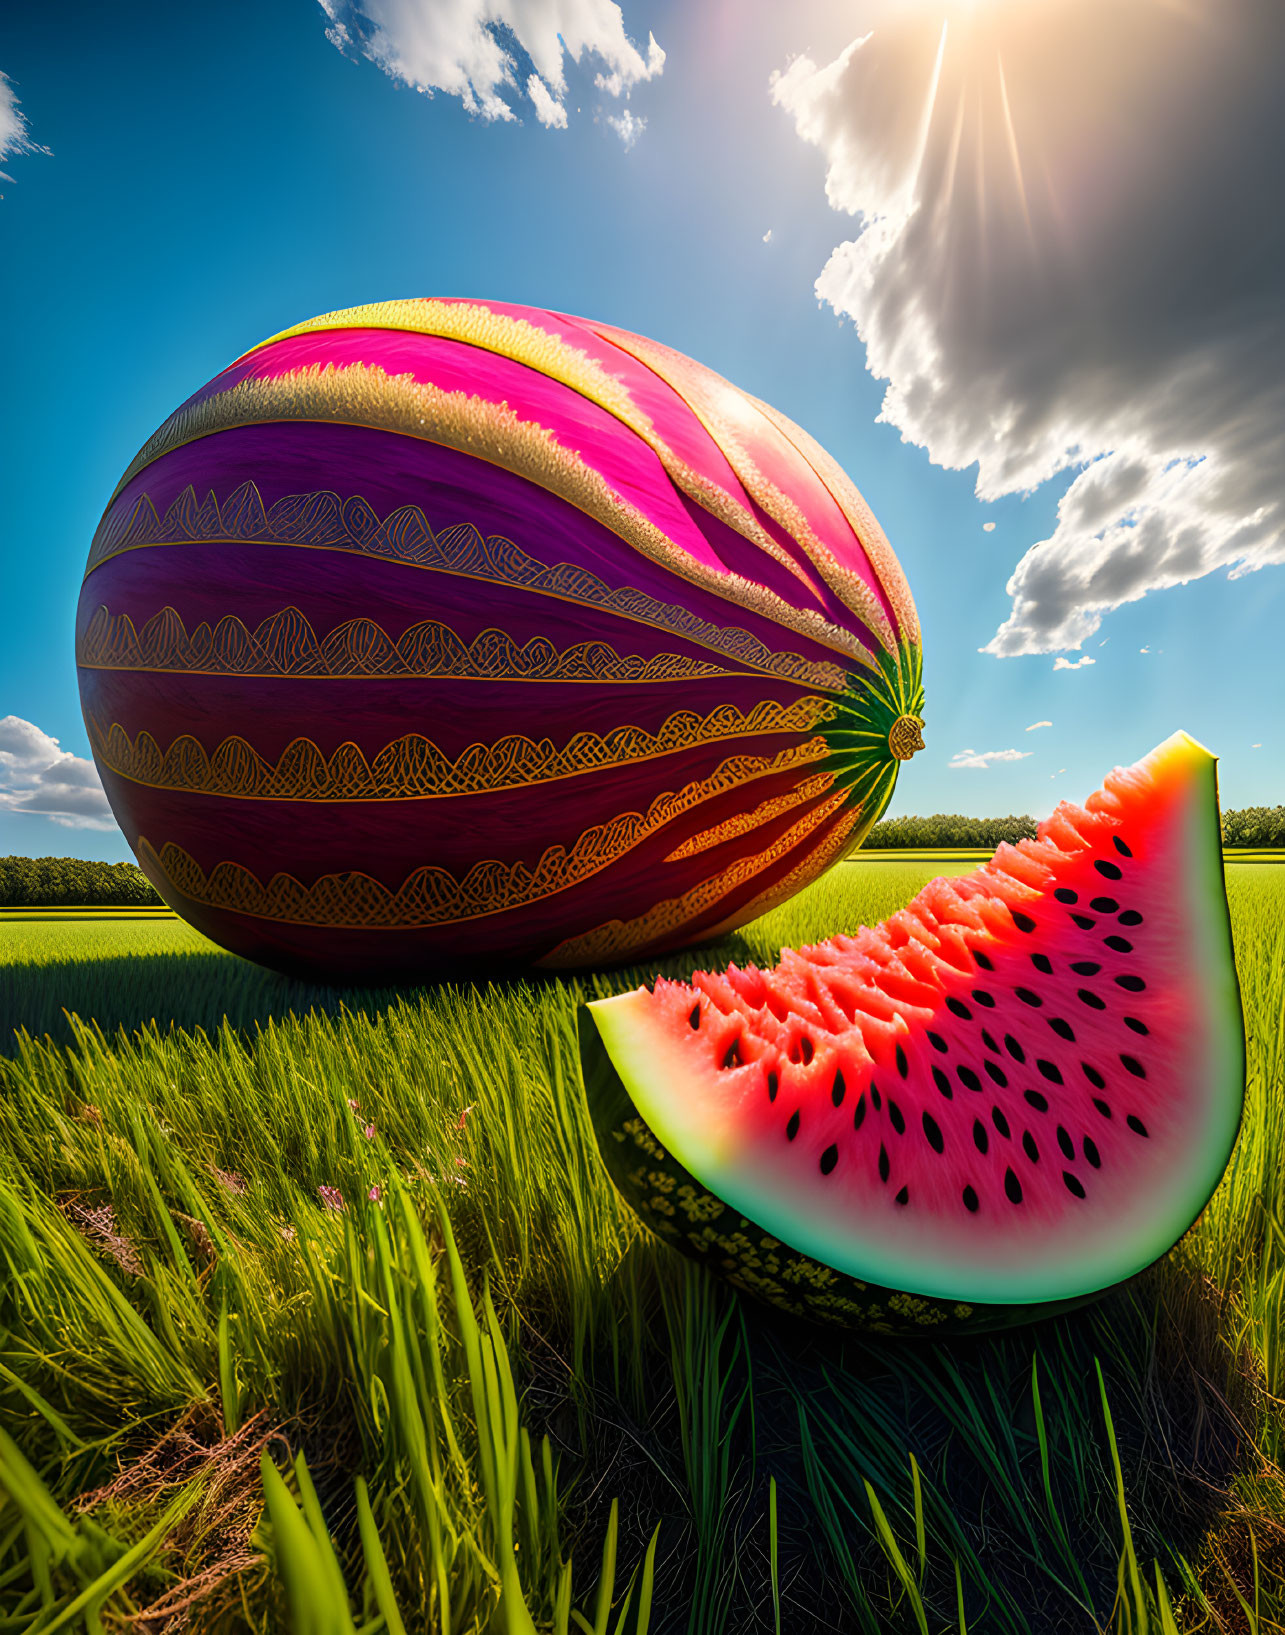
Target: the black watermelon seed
pixel 894 1114
pixel 936 1140
pixel 1027 997
pixel 1091 1152
pixel 960 1009
pixel 937 1042
pixel 792 1128
pixel 1131 1064
pixel 1134 984
pixel 1063 1029
pixel 1105 905
pixel 970 1200
pixel 1136 1124
pixel 943 1083
pixel 838 1089
pixel 903 1197
pixel 1042 962
pixel 829 1158
pixel 1023 922
pixel 1029 1147
pixel 695 1017
pixel 988 1039
pixel 805 1050
pixel 773 1085
pixel 1072 1185
pixel 733 1056
pixel 984 960
pixel 1014 1049
pixel 1137 1025
pixel 1120 846
pixel 1131 917
pixel 1084 922
pixel 883 1162
pixel 1091 999
pixel 1122 945
pixel 1064 1141
pixel 1064 894
pixel 1039 1102
pixel 1000 1122
pixel 859 1111
pixel 983 998
pixel 1013 1187
pixel 1102 1107
pixel 996 1072
pixel 1108 871
pixel 1086 967
pixel 1093 1076
pixel 903 1067
pixel 1049 1070
pixel 968 1078
pixel 980 1138
pixel 876 1099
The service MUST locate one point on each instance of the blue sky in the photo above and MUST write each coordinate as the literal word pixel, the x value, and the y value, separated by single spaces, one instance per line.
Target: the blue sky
pixel 217 173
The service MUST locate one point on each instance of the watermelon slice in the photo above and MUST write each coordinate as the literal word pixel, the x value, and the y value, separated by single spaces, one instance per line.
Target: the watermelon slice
pixel 1011 1096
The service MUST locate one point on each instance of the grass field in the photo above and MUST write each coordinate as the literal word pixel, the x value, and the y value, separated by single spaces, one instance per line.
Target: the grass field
pixel 350 1255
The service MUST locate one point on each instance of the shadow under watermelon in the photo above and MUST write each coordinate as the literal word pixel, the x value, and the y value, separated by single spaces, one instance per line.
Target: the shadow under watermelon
pixel 748 1396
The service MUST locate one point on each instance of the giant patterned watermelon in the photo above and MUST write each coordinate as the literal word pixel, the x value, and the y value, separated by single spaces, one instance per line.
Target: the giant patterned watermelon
pixel 1014 1094
pixel 437 632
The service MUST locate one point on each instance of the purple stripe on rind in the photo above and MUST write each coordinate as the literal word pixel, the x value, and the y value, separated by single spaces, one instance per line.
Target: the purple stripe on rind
pixel 389 471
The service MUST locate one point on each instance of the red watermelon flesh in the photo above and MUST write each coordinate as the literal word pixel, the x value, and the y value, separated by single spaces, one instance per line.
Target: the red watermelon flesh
pixel 1019 1090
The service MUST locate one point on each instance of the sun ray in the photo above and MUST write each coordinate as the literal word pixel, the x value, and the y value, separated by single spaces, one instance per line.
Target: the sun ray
pixel 1013 150
pixel 925 124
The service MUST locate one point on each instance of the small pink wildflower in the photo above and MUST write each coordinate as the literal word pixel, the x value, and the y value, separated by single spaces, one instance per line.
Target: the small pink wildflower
pixel 375 1195
pixel 331 1197
pixel 352 1104
pixel 369 1132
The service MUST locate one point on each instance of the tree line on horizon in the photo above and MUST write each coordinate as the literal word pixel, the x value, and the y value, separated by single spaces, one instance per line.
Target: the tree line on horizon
pixel 77 882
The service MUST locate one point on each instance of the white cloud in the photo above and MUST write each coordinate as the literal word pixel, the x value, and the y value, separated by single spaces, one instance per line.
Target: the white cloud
pixel 463 47
pixel 39 778
pixel 767 237
pixel 547 109
pixel 1065 664
pixel 969 758
pixel 1144 650
pixel 1255 746
pixel 988 527
pixel 1031 278
pixel 627 126
pixel 1035 725
pixel 15 135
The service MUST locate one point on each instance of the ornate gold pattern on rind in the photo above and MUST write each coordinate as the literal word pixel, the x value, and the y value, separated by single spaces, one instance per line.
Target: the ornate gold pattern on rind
pixel 412 767
pixel 322 521
pixel 616 940
pixel 364 395
pixel 811 868
pixel 287 645
pixel 744 822
pixel 692 383
pixel 905 737
pixel 847 496
pixel 434 896
pixel 526 343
